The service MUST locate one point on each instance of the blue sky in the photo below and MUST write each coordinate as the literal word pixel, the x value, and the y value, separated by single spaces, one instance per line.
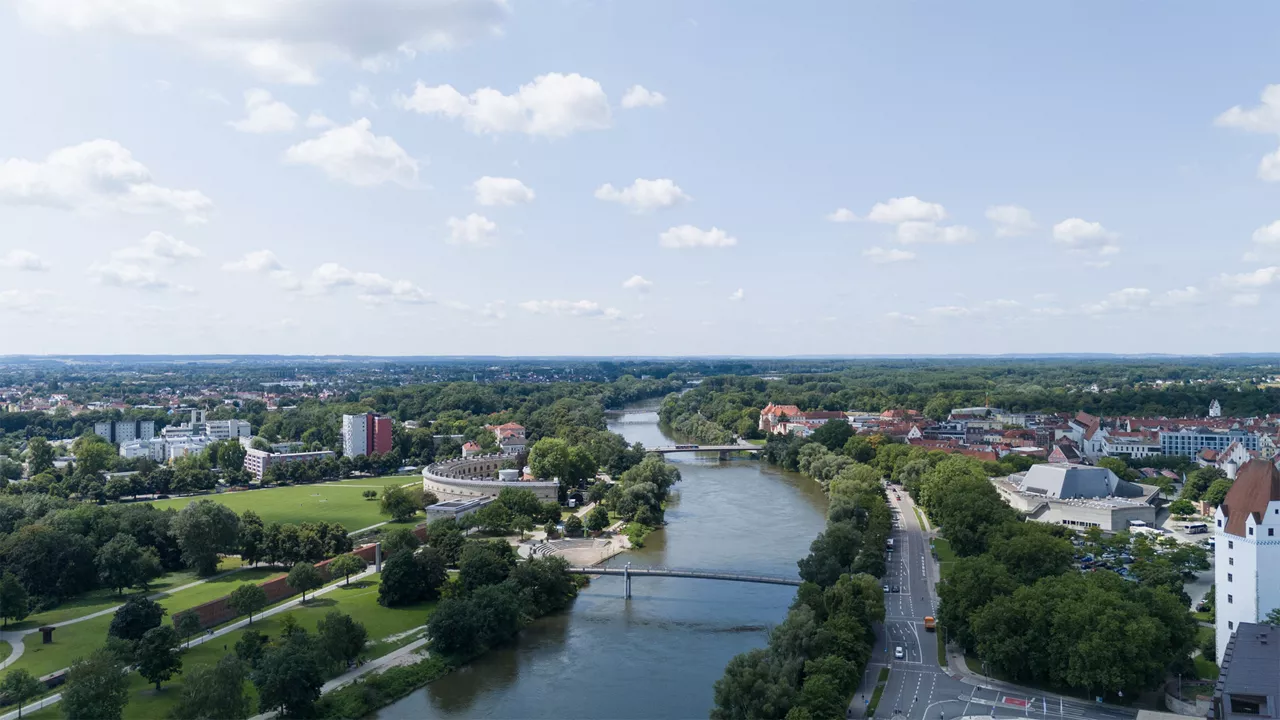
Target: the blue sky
pixel 222 176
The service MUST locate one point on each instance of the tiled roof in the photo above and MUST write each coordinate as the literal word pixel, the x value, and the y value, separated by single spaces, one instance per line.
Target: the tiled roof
pixel 1256 485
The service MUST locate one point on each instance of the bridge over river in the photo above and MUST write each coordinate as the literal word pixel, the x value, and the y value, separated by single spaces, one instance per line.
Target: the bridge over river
pixel 724 450
pixel 628 572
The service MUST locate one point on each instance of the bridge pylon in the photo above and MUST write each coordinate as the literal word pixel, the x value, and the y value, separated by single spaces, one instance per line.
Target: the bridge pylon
pixel 626 580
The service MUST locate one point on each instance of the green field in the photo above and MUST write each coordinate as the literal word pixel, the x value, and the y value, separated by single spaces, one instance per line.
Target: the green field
pixel 331 502
pixel 946 556
pixel 5 649
pixel 360 601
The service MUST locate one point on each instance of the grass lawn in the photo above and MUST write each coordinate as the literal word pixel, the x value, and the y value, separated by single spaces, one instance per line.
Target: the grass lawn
pixel 875 695
pixel 757 442
pixel 332 502
pixel 5 649
pixel 1205 669
pixel 214 589
pixel 1203 616
pixel 359 600
pixel 946 555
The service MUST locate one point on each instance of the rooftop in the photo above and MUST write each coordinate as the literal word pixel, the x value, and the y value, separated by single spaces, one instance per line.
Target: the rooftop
pixel 1251 665
pixel 1257 484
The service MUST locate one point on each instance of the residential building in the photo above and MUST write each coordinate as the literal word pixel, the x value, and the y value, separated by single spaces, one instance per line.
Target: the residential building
pixel 227 429
pixel 1248 684
pixel 257 461
pixel 366 434
pixel 1189 441
pixel 123 431
pixel 1247 550
pixel 469 449
pixel 1136 445
pixel 1215 410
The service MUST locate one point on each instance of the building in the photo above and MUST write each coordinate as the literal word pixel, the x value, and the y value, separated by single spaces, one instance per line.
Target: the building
pixel 1215 410
pixel 1190 441
pixel 1247 550
pixel 470 449
pixel 1137 445
pixel 257 461
pixel 1249 679
pixel 454 509
pixel 227 429
pixel 1078 496
pixel 366 434
pixel 123 431
pixel 480 476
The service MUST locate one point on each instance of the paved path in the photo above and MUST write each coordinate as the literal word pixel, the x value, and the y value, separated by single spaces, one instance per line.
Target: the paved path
pixel 288 605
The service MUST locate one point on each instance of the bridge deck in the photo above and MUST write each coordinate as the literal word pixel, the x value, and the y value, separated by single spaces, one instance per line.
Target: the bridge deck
pixel 688 573
pixel 705 448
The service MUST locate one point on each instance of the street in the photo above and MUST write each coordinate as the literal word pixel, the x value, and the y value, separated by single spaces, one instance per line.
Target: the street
pixel 918 688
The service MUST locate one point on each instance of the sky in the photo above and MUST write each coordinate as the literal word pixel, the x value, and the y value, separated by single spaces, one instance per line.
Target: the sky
pixel 628 177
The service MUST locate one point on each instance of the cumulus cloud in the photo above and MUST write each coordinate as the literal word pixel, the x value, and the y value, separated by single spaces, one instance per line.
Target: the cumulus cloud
pixel 95 176
pixel 880 255
pixel 361 97
pixel 640 96
pixel 129 275
pixel 265 262
pixel 1084 236
pixel 842 215
pixel 139 265
pixel 1268 235
pixel 1185 296
pixel 688 236
pixel 1011 220
pixel 372 287
pixel 1244 300
pixel 472 230
pixel 282 40
pixel 906 209
pixel 644 195
pixel 1125 299
pixel 264 114
pixel 736 295
pixel 1264 119
pixel 1261 277
pixel 576 308
pixel 501 191
pixel 553 105
pixel 912 232
pixel 23 260
pixel 637 283
pixel 353 154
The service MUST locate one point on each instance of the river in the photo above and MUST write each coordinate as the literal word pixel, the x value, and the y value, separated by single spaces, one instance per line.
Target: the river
pixel 658 654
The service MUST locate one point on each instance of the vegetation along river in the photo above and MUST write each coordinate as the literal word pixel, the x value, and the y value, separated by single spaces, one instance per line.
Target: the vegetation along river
pixel 657 655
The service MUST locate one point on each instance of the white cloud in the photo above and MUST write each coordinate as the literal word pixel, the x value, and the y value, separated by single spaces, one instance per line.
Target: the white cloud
pixel 1268 235
pixel 644 195
pixel 1264 118
pixel 638 283
pixel 1126 299
pixel 501 191
pixel 881 255
pixel 138 266
pixel 553 105
pixel 640 96
pixel 1269 167
pixel 318 120
pixel 912 232
pixel 1244 300
pixel 1261 277
pixel 906 209
pixel 1186 296
pixel 130 275
pixel 257 261
pixel 158 247
pixel 896 316
pixel 577 308
pixel 1011 220
pixel 688 236
pixel 265 115
pixel 736 295
pixel 94 176
pixel 353 154
pixel 361 96
pixel 23 260
pixel 282 40
pixel 842 215
pixel 1084 236
pixel 373 287
pixel 472 230
pixel 208 95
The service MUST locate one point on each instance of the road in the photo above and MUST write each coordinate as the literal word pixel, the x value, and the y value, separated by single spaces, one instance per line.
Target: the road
pixel 918 688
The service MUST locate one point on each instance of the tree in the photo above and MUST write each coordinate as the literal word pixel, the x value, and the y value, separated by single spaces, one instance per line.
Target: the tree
pixel 250 646
pixel 753 686
pixel 523 523
pixel 96 688
pixel 369 494
pixel 597 519
pixel 288 677
pixel 445 535
pixel 573 526
pixel 250 598
pixel 135 617
pixel 205 528
pixel 393 541
pixel 1182 506
pixel 231 455
pixel 398 503
pixel 341 638
pixel 214 692
pixel 347 565
pixel 833 434
pixel 1273 617
pixel 19 686
pixel 14 604
pixel 157 657
pixel 39 456
pixel 118 562
pixel 187 624
pixel 1119 467
pixel 303 577
pixel 485 563
pixel 1217 492
pixel 454 628
pixel 93 454
pixel 408 577
pixel 551 530
pixel 252 537
pixel 494 518
pixel 1199 480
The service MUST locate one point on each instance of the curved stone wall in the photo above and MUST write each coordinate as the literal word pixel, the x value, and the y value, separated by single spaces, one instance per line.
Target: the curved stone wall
pixel 475 476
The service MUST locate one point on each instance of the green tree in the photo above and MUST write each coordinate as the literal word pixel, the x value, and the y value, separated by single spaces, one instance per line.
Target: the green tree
pixel 347 565
pixel 485 563
pixel 118 562
pixel 39 456
pixel 1199 480
pixel 252 537
pixel 250 598
pixel 93 454
pixel 231 455
pixel 549 459
pixel 289 677
pixel 573 526
pixel 398 503
pixel 250 647
pixel 20 686
pixel 597 519
pixel 369 494
pixel 96 688
pixel 187 624
pixel 494 518
pixel 341 638
pixel 157 656
pixel 971 584
pixel 445 536
pixel 1119 467
pixel 214 692
pixel 203 529
pixel 753 686
pixel 454 629
pixel 1273 617
pixel 14 604
pixel 135 617
pixel 1217 492
pixel 303 577
pixel 393 541
pixel 522 523
pixel 833 434
pixel 1182 506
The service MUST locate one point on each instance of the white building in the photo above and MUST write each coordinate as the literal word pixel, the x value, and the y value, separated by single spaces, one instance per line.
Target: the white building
pixel 226 429
pixel 355 435
pixel 1215 410
pixel 1247 550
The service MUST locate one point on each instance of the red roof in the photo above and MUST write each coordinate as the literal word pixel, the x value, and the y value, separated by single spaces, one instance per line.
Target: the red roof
pixel 1257 484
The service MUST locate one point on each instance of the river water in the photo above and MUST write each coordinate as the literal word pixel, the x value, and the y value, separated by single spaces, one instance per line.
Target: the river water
pixel 658 654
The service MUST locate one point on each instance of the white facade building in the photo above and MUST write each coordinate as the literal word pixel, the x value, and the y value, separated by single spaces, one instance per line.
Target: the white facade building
pixel 1247 550
pixel 355 435
pixel 226 429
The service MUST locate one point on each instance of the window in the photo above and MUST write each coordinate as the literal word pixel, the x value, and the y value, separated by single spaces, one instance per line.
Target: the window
pixel 1231 544
pixel 1230 625
pixel 1271 532
pixel 1230 600
pixel 1250 531
pixel 1219 523
pixel 1231 561
pixel 1228 577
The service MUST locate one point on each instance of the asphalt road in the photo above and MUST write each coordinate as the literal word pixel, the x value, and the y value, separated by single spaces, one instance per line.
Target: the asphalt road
pixel 918 688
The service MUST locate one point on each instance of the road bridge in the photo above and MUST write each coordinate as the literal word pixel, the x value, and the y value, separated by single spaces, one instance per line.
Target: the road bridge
pixel 627 572
pixel 723 450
